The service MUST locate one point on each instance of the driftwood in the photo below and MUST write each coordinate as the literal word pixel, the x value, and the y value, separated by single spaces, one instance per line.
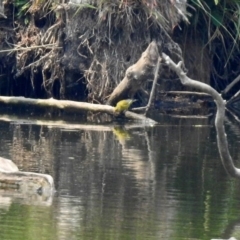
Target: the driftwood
pixel 220 115
pixel 70 105
pixel 136 75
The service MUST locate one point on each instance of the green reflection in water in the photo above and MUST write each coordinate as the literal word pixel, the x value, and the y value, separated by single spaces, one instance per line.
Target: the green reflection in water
pixel 22 222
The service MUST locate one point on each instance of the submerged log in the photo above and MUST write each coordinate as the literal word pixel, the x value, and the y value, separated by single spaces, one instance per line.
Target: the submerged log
pixel 136 75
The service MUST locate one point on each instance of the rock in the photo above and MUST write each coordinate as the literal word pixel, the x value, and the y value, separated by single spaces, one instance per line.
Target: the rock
pixel 12 179
pixel 7 165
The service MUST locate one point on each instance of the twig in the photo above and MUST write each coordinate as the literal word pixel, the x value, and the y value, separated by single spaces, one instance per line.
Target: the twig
pixel 153 86
pixel 39 60
pixel 190 116
pixel 229 87
pixel 231 111
pixel 146 108
pixel 187 93
pixel 234 98
pixel 48 34
pixel 28 48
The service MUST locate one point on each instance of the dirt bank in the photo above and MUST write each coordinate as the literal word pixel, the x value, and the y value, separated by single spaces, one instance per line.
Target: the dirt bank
pixel 79 51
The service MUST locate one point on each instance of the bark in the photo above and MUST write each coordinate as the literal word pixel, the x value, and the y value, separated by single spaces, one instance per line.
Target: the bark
pixel 136 75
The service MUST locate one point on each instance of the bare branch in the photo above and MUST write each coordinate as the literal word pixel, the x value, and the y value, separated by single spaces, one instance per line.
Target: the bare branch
pixel 219 120
pixel 153 86
pixel 231 85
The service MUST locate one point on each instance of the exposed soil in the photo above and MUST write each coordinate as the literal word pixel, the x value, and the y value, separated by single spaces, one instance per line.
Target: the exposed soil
pixel 81 53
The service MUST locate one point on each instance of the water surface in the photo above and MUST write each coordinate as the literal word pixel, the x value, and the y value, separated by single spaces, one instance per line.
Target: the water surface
pixel 122 181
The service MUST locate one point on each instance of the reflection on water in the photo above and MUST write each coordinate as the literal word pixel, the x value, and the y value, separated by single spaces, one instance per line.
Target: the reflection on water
pixel 123 182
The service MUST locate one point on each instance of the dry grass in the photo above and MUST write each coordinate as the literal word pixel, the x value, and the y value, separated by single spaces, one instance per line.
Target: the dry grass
pixel 100 39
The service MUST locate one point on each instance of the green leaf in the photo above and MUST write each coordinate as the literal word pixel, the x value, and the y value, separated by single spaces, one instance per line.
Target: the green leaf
pixel 216 2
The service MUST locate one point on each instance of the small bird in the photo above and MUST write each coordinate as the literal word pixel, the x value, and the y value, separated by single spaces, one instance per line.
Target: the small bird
pixel 123 105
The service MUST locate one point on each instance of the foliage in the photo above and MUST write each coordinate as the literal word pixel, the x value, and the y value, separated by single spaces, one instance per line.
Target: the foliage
pixel 219 21
pixel 22 7
pixel 29 6
pixel 223 16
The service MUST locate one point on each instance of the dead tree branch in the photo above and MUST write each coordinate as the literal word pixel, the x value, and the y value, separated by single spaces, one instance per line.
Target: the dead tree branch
pixel 219 120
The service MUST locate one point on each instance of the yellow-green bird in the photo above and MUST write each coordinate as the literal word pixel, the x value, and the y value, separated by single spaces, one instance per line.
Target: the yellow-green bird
pixel 123 105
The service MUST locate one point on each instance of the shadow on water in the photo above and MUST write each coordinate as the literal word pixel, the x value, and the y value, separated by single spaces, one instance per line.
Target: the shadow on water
pixel 122 181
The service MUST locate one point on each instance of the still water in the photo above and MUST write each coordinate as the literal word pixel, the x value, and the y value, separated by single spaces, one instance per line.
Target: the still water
pixel 122 182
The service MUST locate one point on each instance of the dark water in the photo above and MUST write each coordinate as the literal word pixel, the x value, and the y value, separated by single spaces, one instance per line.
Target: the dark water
pixel 123 182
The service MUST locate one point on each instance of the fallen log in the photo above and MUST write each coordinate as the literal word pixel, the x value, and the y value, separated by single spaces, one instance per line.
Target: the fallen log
pixel 71 105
